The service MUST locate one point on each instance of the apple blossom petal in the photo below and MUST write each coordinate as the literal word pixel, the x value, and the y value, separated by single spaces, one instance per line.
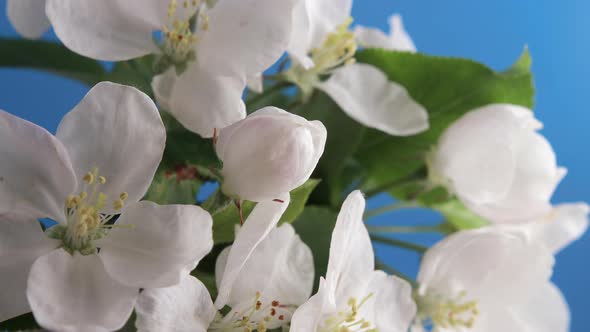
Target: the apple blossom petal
pixel 74 293
pixel 568 222
pixel 400 40
pixel 28 17
pixel 269 153
pixel 118 130
pixel 113 30
pixel 391 305
pixel 325 16
pixel 155 245
pixel 186 307
pixel 372 38
pixel 308 317
pixel 366 94
pixel 488 263
pixel 201 101
pixel 257 226
pixel 245 37
pixel 545 311
pixel 21 242
pixel 351 261
pixel 280 268
pixel 300 41
pixel 39 176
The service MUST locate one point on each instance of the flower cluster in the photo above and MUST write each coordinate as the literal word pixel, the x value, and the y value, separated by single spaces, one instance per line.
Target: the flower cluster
pixel 254 256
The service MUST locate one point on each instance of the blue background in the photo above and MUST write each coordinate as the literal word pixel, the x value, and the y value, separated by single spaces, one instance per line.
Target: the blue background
pixel 492 32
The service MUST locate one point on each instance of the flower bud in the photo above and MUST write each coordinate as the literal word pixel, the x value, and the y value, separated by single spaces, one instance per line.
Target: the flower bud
pixel 494 160
pixel 269 153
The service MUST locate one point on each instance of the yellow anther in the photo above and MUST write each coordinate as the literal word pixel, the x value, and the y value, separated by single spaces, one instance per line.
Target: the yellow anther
pixel 83 195
pixel 123 196
pixel 88 178
pixel 102 180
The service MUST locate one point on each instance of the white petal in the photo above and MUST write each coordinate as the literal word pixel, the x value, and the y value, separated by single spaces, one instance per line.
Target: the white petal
pixel 245 36
pixel 325 17
pixel 269 153
pixel 545 311
pixel 400 40
pixel 259 224
pixel 495 262
pixel 113 30
pixel 280 268
pixel 308 317
pixel 74 293
pixel 391 305
pixel 38 175
pixel 351 261
pixel 160 244
pixel 568 222
pixel 186 307
pixel 28 17
pixel 366 95
pixel 201 101
pixel 118 130
pixel 372 38
pixel 300 40
pixel 255 83
pixel 21 242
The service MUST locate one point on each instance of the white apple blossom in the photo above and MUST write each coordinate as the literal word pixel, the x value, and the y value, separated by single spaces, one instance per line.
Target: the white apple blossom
pixel 490 279
pixel 497 164
pixel 219 44
pixel 398 38
pixel 28 17
pixel 322 44
pixel 563 225
pixel 263 277
pixel 355 297
pixel 269 153
pixel 86 271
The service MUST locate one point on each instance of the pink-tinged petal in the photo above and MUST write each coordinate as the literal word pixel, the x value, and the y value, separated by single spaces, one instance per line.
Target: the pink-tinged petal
pixel 74 293
pixel 38 176
pixel 21 242
pixel 186 307
pixel 28 17
pixel 118 130
pixel 155 245
pixel 113 30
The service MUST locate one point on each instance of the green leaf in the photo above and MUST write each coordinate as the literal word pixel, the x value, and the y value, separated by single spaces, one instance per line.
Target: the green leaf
pixel 315 226
pixel 459 216
pixel 299 197
pixel 20 323
pixel 447 88
pixel 50 57
pixel 227 217
pixel 336 167
pixel 184 147
pixel 136 73
pixel 178 187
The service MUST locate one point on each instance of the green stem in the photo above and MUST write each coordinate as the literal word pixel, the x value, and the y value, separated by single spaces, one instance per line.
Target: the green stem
pixel 391 207
pixel 440 228
pixel 417 178
pixel 399 243
pixel 380 265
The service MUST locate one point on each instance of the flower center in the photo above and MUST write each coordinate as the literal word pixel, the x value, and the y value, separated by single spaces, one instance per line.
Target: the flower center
pixel 348 320
pixel 260 315
pixel 86 220
pixel 444 312
pixel 180 32
pixel 338 49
